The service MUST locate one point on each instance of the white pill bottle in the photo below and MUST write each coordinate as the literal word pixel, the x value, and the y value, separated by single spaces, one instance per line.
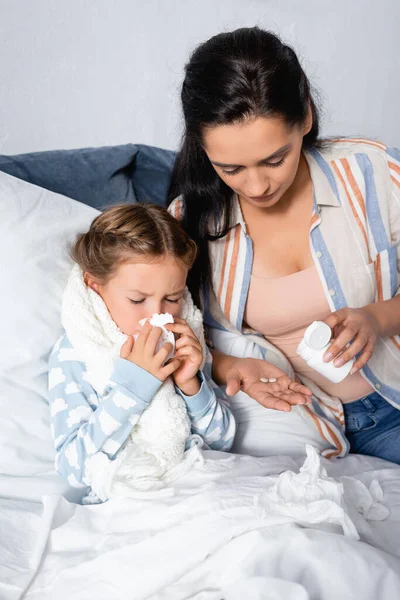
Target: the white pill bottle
pixel 312 348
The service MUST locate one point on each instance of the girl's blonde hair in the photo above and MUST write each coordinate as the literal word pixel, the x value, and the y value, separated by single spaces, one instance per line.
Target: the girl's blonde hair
pixel 131 232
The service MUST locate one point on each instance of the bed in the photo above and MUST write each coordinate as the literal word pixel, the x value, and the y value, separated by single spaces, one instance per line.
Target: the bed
pixel 243 525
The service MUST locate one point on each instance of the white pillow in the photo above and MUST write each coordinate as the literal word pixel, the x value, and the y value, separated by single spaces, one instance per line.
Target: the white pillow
pixel 36 230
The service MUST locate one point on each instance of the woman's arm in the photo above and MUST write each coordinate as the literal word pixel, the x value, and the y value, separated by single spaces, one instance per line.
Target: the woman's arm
pixel 221 365
pixel 362 326
pixel 267 384
pixel 386 315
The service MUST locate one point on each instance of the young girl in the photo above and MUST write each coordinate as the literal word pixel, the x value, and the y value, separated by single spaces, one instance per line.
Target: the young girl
pixel 122 416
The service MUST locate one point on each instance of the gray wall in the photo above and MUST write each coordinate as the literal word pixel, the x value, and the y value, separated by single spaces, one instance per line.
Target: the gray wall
pixel 79 73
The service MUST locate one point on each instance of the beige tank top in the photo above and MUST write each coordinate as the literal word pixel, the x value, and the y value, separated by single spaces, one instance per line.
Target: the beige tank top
pixel 281 309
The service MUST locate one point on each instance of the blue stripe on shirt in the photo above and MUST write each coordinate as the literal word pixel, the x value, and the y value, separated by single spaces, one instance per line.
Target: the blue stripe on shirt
pixel 327 171
pixel 328 268
pixel 374 216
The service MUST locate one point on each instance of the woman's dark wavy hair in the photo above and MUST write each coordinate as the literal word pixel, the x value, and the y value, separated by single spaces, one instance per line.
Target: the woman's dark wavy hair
pixel 231 77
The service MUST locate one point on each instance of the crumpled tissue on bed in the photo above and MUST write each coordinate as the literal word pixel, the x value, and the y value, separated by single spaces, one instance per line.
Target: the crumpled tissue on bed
pixel 310 497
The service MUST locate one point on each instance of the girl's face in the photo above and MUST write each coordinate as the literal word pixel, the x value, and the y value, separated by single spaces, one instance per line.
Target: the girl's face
pixel 258 158
pixel 138 290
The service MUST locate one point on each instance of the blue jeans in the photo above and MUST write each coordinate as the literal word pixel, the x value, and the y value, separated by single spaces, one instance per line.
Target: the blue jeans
pixel 373 427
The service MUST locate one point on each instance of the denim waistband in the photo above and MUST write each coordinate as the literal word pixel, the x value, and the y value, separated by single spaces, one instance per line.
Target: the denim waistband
pixel 372 402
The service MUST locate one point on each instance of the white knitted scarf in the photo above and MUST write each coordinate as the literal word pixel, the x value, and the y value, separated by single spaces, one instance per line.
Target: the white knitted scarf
pixel 154 455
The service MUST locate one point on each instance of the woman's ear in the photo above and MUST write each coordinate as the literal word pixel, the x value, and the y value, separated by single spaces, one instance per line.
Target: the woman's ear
pixel 91 282
pixel 308 121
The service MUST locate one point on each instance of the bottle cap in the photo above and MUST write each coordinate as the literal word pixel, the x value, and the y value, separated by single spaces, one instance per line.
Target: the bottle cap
pixel 317 335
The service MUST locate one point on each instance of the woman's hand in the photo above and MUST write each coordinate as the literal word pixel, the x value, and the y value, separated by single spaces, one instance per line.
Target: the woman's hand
pixel 267 384
pixel 190 353
pixel 142 352
pixel 354 326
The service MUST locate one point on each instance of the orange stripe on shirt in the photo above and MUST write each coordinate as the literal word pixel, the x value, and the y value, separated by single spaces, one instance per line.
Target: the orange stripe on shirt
pixel 317 424
pixel 395 181
pixel 378 277
pixel 354 185
pixel 314 219
pixel 353 208
pixel 175 209
pixel 395 342
pixel 363 141
pixel 334 437
pixel 178 212
pixel 330 453
pixel 222 274
pixel 338 414
pixel 394 167
pixel 232 273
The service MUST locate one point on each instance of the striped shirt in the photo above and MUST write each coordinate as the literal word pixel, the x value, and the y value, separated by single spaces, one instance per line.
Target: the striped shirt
pixel 355 244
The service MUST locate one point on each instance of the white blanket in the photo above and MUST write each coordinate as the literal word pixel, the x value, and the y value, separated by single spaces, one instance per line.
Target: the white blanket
pixel 235 527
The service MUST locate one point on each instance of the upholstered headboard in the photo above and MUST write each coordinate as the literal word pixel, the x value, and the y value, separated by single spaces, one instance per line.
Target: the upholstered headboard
pixel 98 177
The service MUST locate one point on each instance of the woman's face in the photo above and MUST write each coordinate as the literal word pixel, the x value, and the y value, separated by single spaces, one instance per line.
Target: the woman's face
pixel 258 158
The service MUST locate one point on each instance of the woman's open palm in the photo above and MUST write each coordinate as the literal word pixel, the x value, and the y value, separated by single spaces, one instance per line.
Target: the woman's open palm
pixel 267 384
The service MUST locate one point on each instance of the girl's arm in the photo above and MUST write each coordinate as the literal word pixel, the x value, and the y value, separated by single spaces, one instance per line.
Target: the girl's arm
pixel 210 415
pixel 83 423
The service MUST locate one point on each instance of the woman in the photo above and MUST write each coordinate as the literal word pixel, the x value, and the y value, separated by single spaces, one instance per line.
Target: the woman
pixel 291 230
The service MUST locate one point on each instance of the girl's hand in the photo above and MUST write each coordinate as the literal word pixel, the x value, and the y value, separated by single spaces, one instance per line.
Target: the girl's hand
pixel 142 352
pixel 355 325
pixel 253 376
pixel 190 353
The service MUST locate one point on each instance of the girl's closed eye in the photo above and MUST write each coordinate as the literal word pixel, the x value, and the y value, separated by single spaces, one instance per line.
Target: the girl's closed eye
pixel 172 300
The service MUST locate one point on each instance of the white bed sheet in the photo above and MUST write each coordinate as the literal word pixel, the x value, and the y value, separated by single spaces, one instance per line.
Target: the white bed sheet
pixel 207 542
